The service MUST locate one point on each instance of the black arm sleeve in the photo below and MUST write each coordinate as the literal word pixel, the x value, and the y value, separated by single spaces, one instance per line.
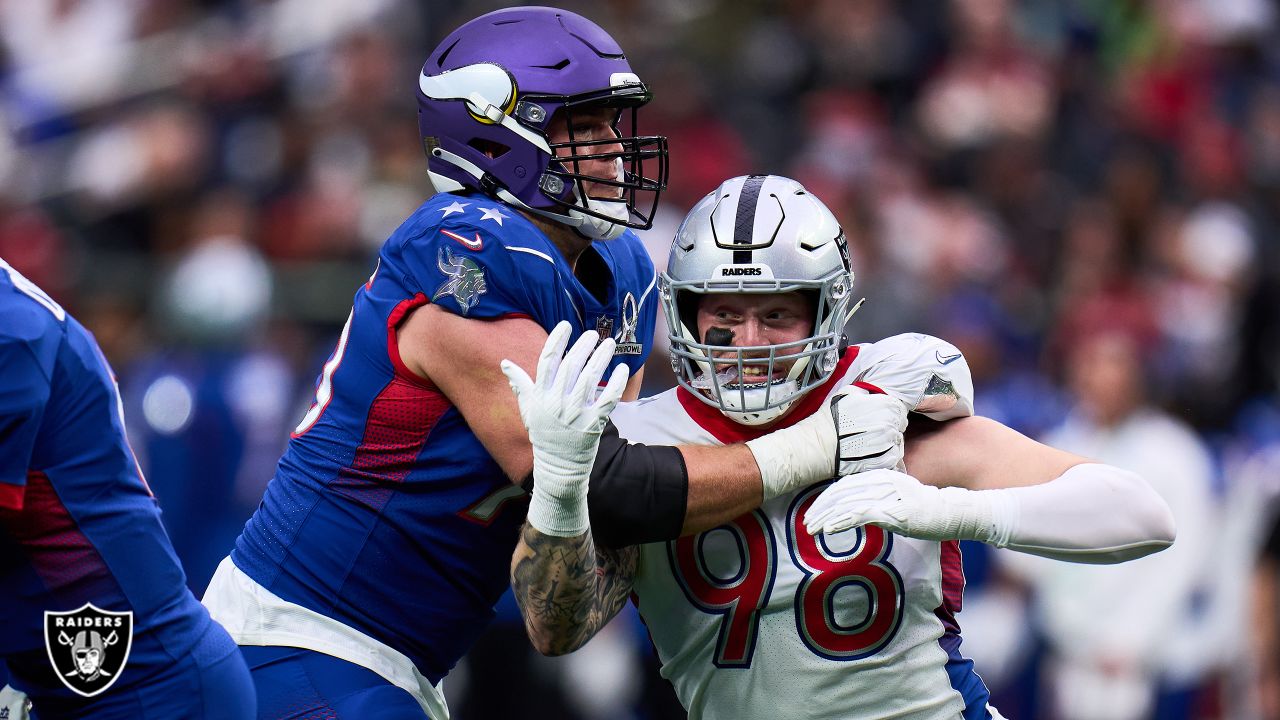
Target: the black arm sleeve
pixel 637 493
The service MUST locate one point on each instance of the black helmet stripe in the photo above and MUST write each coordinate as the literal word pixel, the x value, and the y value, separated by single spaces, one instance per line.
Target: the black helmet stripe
pixel 745 220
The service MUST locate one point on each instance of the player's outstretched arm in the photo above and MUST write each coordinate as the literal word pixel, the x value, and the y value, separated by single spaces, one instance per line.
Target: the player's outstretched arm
pixel 975 479
pixel 639 493
pixel 566 590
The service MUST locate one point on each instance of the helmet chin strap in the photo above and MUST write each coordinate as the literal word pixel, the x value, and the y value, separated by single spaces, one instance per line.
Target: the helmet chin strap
pixel 599 228
pixel 788 390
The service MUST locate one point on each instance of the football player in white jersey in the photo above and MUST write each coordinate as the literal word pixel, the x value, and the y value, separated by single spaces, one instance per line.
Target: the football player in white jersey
pixel 836 600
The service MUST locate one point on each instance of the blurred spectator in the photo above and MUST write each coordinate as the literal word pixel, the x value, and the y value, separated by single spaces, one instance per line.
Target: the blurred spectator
pixel 216 404
pixel 1108 628
pixel 1015 176
pixel 1265 645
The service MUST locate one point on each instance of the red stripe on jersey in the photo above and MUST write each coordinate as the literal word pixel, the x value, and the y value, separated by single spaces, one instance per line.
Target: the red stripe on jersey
pixel 68 564
pixel 396 428
pixel 397 316
pixel 11 496
pixel 728 432
pixel 952 585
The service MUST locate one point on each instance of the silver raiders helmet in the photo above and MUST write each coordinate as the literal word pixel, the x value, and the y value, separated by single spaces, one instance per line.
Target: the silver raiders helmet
pixel 757 234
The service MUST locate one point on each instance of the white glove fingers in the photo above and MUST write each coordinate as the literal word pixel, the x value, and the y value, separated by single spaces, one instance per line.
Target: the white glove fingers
pixel 849 500
pixel 612 392
pixel 552 352
pixel 521 384
pixel 573 363
pixel 838 524
pixel 814 522
pixel 825 507
pixel 592 374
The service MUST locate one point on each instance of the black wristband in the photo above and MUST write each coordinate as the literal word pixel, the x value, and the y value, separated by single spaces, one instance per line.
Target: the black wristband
pixel 637 493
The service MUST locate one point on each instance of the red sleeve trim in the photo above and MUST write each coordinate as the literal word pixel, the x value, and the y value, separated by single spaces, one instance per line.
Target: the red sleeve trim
pixel 874 390
pixel 11 496
pixel 397 316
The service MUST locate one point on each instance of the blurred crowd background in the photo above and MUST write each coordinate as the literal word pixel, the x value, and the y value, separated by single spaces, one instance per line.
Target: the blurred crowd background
pixel 1083 195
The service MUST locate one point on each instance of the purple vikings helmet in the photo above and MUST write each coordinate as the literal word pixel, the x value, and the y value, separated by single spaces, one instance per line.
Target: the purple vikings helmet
pixel 488 93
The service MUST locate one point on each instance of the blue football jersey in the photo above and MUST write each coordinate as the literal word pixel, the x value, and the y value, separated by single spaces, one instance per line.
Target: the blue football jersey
pixel 77 522
pixel 386 513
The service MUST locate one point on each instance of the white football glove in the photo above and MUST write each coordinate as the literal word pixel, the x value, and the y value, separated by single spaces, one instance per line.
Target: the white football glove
pixel 565 419
pixel 860 431
pixel 869 431
pixel 14 704
pixel 902 504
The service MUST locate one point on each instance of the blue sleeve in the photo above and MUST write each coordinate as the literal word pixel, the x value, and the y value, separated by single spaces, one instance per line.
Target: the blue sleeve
pixel 24 391
pixel 470 272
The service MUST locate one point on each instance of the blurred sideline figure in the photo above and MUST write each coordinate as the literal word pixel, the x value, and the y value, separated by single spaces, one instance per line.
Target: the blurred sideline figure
pixel 383 541
pixel 1265 612
pixel 98 621
pixel 843 595
pixel 1108 629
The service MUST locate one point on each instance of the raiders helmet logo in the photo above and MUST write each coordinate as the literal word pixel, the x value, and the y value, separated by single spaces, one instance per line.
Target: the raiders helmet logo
pixel 88 647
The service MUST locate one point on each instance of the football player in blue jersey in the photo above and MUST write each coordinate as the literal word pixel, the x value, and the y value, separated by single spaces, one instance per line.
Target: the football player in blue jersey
pixel 383 541
pixel 98 620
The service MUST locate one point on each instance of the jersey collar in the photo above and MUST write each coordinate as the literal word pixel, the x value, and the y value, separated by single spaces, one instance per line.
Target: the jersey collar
pixel 729 432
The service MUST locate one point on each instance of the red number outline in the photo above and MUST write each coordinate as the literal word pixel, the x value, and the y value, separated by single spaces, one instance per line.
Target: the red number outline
pixel 827 571
pixel 728 597
pixel 739 599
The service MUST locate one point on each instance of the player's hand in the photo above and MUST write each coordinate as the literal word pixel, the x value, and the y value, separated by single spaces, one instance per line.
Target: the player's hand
pixel 861 432
pixel 565 417
pixel 893 500
pixel 868 430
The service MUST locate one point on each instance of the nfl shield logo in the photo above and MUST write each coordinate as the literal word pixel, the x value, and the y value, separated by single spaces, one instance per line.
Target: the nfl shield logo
pixel 604 326
pixel 88 647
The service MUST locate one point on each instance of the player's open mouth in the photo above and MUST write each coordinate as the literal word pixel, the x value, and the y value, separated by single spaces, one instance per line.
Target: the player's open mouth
pixel 753 376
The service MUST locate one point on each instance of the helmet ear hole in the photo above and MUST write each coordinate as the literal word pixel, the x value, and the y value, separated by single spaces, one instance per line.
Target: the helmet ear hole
pixel 489 148
pixel 687 306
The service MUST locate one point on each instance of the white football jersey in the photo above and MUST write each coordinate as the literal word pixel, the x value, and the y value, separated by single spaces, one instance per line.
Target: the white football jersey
pixel 758 619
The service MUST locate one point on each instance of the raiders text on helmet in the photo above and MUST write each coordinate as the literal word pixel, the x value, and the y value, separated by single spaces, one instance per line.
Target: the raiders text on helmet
pixel 488 93
pixel 757 234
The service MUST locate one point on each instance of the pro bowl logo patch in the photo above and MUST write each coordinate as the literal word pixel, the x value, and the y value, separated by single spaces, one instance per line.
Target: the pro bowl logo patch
pixel 88 647
pixel 626 337
pixel 466 279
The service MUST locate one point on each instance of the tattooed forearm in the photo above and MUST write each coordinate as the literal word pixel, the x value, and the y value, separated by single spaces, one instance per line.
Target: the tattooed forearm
pixel 568 589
